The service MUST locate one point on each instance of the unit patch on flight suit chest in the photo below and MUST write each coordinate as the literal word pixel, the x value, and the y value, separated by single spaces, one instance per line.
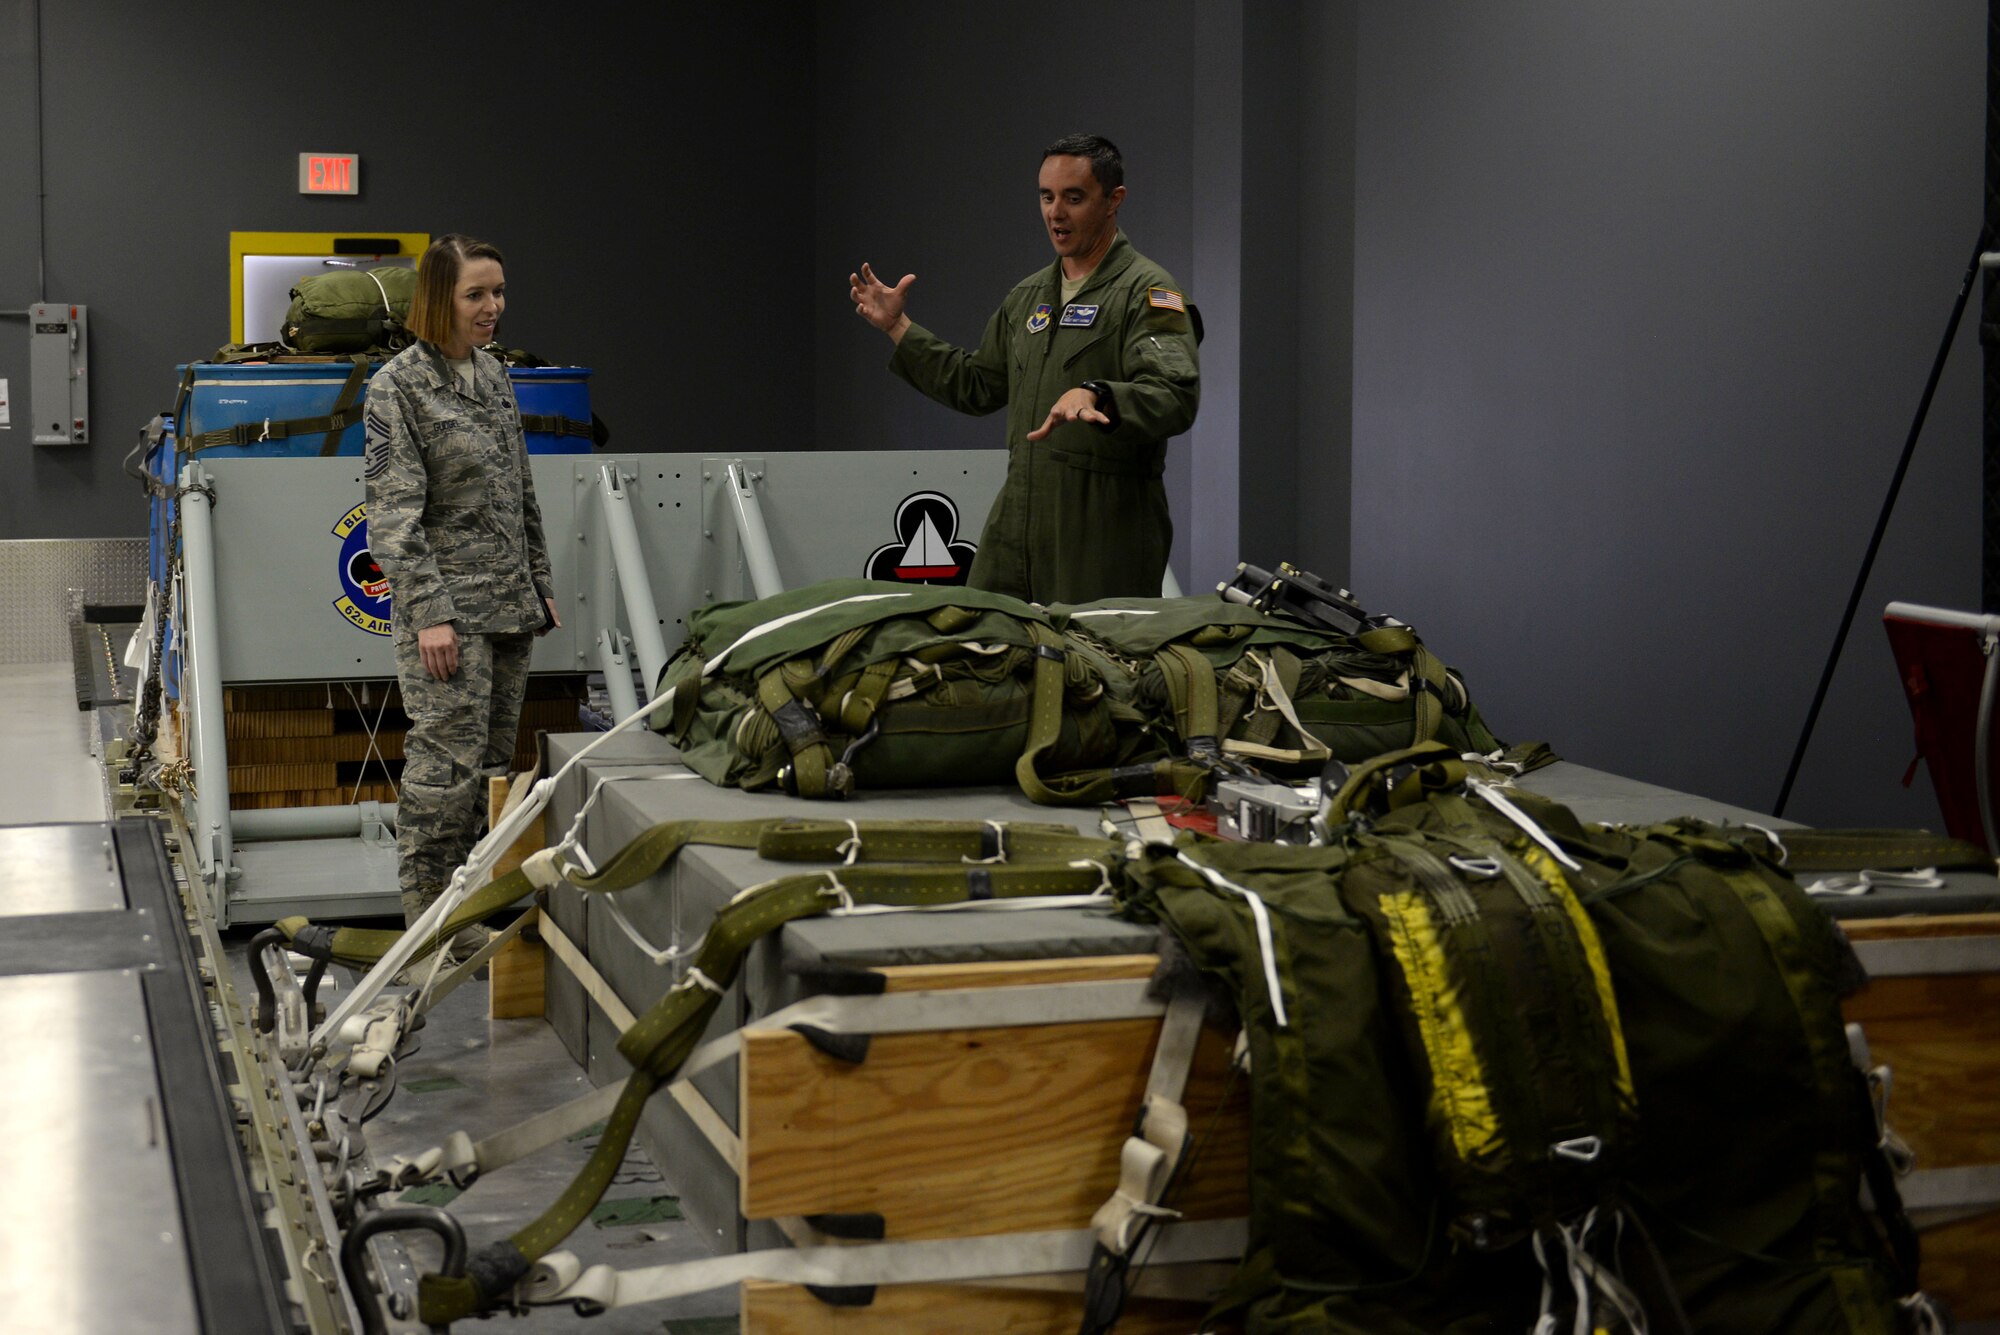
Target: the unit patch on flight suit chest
pixel 1040 319
pixel 1078 317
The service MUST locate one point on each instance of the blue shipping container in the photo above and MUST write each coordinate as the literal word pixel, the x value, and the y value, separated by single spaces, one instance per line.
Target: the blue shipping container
pixel 555 405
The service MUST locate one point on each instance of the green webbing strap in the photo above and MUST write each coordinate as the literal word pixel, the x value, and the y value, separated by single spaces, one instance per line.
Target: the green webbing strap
pixel 661 1039
pixel 181 397
pixel 1233 693
pixel 231 353
pixel 359 947
pixel 1265 725
pixel 1368 780
pixel 349 401
pixel 858 706
pixel 555 425
pixel 1427 676
pixel 1090 786
pixel 799 725
pixel 1818 1009
pixel 781 839
pixel 687 695
pixel 1044 715
pixel 1882 850
pixel 1473 968
pixel 790 839
pixel 1190 682
pixel 1527 757
pixel 927 841
pixel 347 410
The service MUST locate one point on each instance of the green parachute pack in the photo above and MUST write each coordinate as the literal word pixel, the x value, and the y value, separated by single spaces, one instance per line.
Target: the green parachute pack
pixel 853 683
pixel 351 310
pixel 1509 1071
pixel 1223 679
pixel 857 683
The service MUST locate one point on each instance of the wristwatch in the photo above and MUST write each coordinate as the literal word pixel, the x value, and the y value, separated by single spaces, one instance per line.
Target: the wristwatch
pixel 1107 403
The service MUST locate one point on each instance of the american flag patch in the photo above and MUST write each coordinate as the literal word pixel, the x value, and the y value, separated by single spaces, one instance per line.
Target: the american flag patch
pixel 1166 299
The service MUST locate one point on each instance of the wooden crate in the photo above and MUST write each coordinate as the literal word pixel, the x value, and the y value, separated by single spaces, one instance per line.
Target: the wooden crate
pixel 1939 1033
pixel 519 970
pixel 973 1132
pixel 310 744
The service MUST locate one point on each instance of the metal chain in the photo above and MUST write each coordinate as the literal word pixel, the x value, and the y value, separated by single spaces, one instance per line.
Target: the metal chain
pixel 146 719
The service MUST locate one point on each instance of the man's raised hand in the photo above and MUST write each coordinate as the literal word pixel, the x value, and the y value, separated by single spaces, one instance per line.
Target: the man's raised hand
pixel 878 303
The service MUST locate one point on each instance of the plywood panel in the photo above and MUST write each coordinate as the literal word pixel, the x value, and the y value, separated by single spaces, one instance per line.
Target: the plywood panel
pixel 1900 929
pixel 1011 973
pixel 1940 1035
pixel 964 1132
pixel 278 723
pixel 1941 1038
pixel 942 1309
pixel 352 746
pixel 1958 1267
pixel 520 969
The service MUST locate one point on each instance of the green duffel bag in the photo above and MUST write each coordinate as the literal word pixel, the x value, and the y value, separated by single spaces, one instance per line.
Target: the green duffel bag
pixel 1213 678
pixel 1512 1072
pixel 858 684
pixel 351 310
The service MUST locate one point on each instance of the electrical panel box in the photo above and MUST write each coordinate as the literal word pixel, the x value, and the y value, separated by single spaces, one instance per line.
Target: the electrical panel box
pixel 58 357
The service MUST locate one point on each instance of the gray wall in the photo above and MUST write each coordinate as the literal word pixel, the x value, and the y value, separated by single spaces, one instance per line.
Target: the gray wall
pixel 1298 285
pixel 643 174
pixel 1644 299
pixel 930 120
pixel 1583 336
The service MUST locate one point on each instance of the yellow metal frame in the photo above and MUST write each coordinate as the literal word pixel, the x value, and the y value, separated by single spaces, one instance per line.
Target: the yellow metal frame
pixel 296 243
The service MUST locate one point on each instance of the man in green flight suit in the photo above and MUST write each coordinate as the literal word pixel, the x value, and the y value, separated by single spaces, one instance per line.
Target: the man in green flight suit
pixel 1094 360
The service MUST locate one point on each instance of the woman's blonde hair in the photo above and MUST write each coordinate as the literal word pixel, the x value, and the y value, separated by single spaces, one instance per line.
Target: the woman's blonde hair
pixel 437 279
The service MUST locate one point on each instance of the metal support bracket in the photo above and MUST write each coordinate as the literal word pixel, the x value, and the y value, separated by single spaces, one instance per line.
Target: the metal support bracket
pixel 751 535
pixel 640 611
pixel 738 559
pixel 617 669
pixel 201 657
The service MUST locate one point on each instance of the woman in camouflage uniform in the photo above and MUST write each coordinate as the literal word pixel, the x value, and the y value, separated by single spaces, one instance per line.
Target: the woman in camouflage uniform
pixel 453 521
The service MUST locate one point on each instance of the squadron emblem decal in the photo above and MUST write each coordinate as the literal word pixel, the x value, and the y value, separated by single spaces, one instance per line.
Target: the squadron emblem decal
pixel 928 550
pixel 364 598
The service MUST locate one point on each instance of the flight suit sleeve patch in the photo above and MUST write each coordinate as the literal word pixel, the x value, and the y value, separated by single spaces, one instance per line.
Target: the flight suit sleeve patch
pixel 1166 299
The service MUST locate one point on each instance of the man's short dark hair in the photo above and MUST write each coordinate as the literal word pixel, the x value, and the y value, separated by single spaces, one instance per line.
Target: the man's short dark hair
pixel 1105 164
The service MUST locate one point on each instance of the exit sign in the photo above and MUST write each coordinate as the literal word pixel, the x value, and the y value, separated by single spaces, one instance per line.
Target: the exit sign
pixel 329 173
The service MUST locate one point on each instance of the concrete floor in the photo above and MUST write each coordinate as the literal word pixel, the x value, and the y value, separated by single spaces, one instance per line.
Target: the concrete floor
pixel 479 1075
pixel 471 1073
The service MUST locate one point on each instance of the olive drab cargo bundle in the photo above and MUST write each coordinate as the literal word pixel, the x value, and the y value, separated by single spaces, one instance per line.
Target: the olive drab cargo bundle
pixel 853 683
pixel 1221 679
pixel 351 310
pixel 1513 1072
pixel 856 683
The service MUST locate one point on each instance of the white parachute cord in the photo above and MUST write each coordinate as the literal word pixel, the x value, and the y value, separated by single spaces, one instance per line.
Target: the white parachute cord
pixel 1501 803
pixel 1578 1281
pixel 475 872
pixel 1265 946
pixel 1545 1323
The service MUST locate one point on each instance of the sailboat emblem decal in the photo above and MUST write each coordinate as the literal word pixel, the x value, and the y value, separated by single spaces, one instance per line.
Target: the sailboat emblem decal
pixel 927 550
